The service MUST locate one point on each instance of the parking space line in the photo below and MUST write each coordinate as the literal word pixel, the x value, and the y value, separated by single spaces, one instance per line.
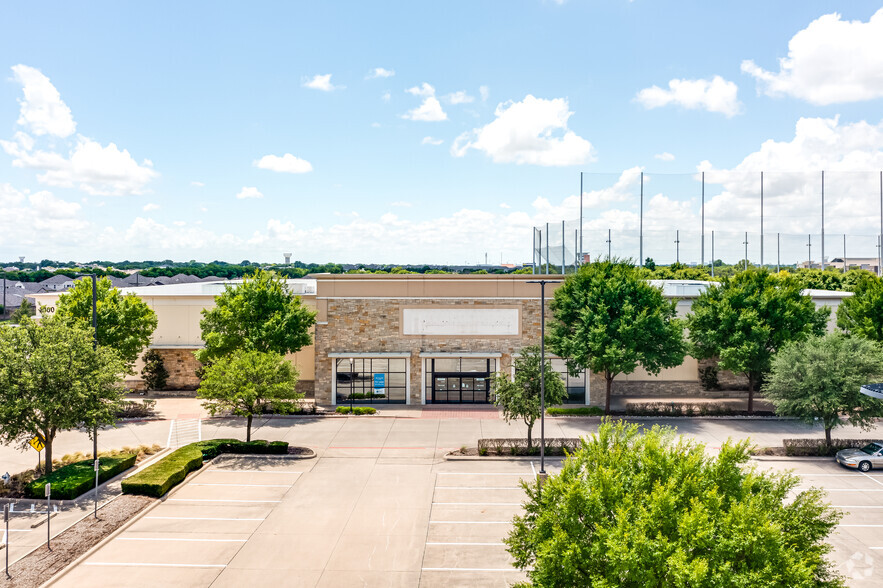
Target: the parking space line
pixel 201 519
pixel 181 539
pixel 482 474
pixel 871 526
pixel 871 478
pixel 841 506
pixel 478 487
pixel 469 569
pixel 251 471
pixel 217 500
pixel 153 565
pixel 846 489
pixel 248 485
pixel 471 522
pixel 477 503
pixel 465 543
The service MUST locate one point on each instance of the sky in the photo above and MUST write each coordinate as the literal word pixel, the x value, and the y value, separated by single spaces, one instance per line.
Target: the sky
pixel 417 132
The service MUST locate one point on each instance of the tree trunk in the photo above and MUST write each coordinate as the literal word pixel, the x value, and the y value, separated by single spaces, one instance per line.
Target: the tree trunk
pixel 529 438
pixel 48 457
pixel 750 393
pixel 828 437
pixel 248 429
pixel 609 381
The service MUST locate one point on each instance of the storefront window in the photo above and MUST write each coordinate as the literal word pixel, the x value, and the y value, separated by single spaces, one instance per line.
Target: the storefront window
pixel 459 380
pixel 372 380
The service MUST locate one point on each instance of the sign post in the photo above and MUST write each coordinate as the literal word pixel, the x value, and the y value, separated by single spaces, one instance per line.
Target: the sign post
pixel 48 517
pixel 6 520
pixel 96 488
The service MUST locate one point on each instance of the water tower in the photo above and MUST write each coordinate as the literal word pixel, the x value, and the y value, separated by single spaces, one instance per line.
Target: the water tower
pixel 287 258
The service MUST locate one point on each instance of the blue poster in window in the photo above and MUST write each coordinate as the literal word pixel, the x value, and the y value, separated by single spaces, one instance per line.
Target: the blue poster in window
pixel 380 384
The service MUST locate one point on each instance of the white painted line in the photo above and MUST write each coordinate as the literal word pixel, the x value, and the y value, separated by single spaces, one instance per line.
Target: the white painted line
pixel 478 487
pixel 871 526
pixel 469 569
pixel 181 539
pixel 471 522
pixel 494 544
pixel 171 428
pixel 216 500
pixel 477 503
pixel 482 473
pixel 216 470
pixel 871 478
pixel 204 519
pixel 248 485
pixel 533 469
pixel 153 565
pixel 845 489
pixel 831 475
pixel 875 548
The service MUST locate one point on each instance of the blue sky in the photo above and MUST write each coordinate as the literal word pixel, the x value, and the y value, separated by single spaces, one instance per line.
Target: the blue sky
pixel 208 131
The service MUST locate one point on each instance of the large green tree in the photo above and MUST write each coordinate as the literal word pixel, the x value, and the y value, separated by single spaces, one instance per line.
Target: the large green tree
pixel 520 397
pixel 746 318
pixel 245 381
pixel 52 379
pixel 260 314
pixel 862 313
pixel 609 320
pixel 125 323
pixel 821 378
pixel 636 509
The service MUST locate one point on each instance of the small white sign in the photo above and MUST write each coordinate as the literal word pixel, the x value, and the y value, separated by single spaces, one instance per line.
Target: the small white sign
pixel 469 322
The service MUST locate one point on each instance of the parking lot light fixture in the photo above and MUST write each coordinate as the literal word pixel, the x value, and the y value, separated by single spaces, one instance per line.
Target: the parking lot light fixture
pixel 352 389
pixel 542 284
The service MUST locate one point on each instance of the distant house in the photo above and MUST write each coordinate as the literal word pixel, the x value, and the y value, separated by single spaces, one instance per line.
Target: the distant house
pixel 57 283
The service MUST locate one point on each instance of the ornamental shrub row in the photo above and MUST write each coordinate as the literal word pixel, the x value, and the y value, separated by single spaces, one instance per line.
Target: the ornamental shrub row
pixel 72 480
pixel 554 446
pixel 817 447
pixel 157 479
pixel 359 410
pixel 576 411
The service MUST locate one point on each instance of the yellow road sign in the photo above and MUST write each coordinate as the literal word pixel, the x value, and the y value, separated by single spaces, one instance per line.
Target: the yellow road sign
pixel 37 443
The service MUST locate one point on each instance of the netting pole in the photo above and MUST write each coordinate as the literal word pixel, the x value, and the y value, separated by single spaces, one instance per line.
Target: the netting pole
pixel 746 249
pixel 712 254
pixel 844 253
pixel 880 252
pixel 575 251
pixel 823 220
pixel 580 213
pixel 608 245
pixel 547 247
pixel 563 241
pixel 778 251
pixel 761 219
pixel 641 225
pixel 809 248
pixel 533 253
pixel 702 240
pixel 677 246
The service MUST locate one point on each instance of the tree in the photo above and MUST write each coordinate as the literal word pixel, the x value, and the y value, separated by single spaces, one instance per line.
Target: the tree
pixel 862 313
pixel 154 372
pixel 125 323
pixel 25 311
pixel 746 318
pixel 821 378
pixel 635 509
pixel 650 264
pixel 520 398
pixel 52 379
pixel 609 320
pixel 245 381
pixel 261 314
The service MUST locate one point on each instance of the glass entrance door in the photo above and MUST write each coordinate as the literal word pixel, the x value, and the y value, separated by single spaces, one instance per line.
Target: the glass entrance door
pixel 460 388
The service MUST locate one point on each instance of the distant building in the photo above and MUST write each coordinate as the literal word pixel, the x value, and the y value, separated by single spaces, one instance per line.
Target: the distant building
pixel 872 264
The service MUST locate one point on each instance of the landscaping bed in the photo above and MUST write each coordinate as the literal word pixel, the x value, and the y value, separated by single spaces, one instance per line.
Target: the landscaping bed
pixel 662 409
pixel 558 446
pixel 40 565
pixel 811 447
pixel 70 481
pixel 357 410
pixel 170 471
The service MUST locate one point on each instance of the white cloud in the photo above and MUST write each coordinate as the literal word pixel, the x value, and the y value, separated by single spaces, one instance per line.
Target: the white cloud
pixel 431 141
pixel 485 93
pixel 42 110
pixel 180 223
pixel 321 82
pixel 714 95
pixel 38 221
pixel 380 72
pixel 249 192
pixel 288 163
pixel 533 131
pixel 831 61
pixel 375 125
pixel 664 156
pixel 460 97
pixel 197 184
pixel 401 204
pixel 386 96
pixel 150 206
pixel 92 168
pixel 430 110
pixel 504 205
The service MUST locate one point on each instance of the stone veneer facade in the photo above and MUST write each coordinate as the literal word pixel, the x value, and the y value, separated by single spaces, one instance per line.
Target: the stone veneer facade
pixel 182 367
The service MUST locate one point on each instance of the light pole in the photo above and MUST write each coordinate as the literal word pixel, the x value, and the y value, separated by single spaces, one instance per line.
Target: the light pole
pixel 94 346
pixel 542 284
pixel 352 388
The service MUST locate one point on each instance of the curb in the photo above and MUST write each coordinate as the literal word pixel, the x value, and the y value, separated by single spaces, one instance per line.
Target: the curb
pixel 790 458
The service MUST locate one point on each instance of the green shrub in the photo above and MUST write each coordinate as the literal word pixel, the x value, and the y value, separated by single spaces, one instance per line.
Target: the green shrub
pixel 357 411
pixel 576 411
pixel 817 447
pixel 159 478
pixel 70 481
pixel 554 446
pixel 162 476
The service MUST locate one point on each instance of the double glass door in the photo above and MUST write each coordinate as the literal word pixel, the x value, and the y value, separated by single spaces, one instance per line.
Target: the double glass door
pixel 461 388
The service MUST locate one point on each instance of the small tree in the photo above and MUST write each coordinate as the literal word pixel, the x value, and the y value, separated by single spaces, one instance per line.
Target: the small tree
pixel 154 371
pixel 520 398
pixel 125 323
pixel 52 379
pixel 609 320
pixel 260 314
pixel 25 311
pixel 862 313
pixel 651 509
pixel 244 382
pixel 745 319
pixel 821 378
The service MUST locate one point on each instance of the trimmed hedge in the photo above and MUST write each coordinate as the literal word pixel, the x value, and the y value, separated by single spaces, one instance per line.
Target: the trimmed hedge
pixel 72 480
pixel 157 479
pixel 817 447
pixel 576 411
pixel 554 446
pixel 359 410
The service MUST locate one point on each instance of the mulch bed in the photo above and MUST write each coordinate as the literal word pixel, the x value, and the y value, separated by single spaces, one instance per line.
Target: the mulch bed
pixel 293 450
pixel 40 565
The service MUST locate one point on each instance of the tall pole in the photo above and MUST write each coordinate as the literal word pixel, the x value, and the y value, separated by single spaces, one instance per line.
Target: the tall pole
pixel 533 252
pixel 702 240
pixel 608 244
pixel 761 219
pixel 547 248
pixel 712 253
pixel 823 220
pixel 641 225
pixel 778 251
pixel 6 520
pixel 576 251
pixel 880 262
pixel 95 346
pixel 542 284
pixel 580 212
pixel 563 240
pixel 352 389
pixel 746 250
pixel 844 253
pixel 677 246
pixel 809 249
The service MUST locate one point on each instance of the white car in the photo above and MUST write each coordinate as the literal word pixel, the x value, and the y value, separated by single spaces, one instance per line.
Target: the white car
pixel 869 456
